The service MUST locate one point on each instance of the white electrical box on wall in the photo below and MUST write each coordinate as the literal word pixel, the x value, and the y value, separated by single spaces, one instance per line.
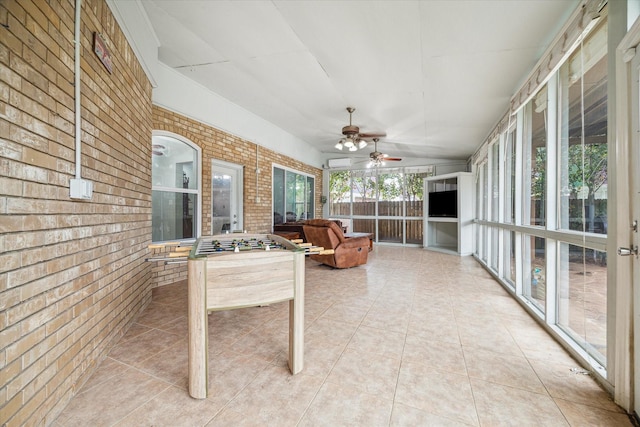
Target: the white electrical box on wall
pixel 81 189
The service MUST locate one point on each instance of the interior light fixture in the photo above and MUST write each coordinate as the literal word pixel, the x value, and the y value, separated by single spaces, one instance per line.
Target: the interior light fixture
pixel 374 163
pixel 158 149
pixel 354 140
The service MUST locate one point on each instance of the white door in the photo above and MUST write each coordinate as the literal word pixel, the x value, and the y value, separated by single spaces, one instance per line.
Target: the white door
pixel 226 197
pixel 635 187
pixel 627 237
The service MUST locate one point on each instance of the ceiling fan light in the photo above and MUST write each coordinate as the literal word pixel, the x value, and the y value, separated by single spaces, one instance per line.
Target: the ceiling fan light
pixel 348 142
pixel 353 148
pixel 339 145
pixel 362 143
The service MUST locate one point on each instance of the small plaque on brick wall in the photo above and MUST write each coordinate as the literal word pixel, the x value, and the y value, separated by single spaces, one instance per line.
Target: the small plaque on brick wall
pixel 100 48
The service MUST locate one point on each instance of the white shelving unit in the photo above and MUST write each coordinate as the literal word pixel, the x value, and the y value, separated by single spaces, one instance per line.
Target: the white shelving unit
pixel 449 228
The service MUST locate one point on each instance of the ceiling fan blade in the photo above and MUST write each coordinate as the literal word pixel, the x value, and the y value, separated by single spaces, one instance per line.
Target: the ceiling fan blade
pixel 392 159
pixel 369 135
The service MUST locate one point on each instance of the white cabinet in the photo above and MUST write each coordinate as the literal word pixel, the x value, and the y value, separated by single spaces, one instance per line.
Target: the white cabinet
pixel 448 213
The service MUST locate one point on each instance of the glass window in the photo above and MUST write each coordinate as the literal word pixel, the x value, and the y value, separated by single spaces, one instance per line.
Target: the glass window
pixel 533 262
pixel 361 225
pixel 495 181
pixel 479 198
pixel 582 297
pixel 495 203
pixel 510 178
pixel 583 137
pixel 391 193
pixel 290 197
pixel 393 197
pixel 309 202
pixel 293 196
pixel 509 257
pixel 535 154
pixel 390 230
pixel 414 185
pixel 175 186
pixel 340 193
pixel 535 280
pixel 414 202
pixel 484 213
pixel 414 231
pixel 390 204
pixel 278 196
pixel 364 190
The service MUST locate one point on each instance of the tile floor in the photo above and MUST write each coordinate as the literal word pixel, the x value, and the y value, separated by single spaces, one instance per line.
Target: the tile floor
pixel 414 338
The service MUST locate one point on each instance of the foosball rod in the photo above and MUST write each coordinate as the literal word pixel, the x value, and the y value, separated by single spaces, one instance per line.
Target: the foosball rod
pixel 310 249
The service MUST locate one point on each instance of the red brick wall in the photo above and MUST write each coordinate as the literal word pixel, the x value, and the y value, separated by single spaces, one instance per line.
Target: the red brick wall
pixel 72 273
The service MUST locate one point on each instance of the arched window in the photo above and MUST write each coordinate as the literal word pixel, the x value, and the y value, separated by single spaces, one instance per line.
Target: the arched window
pixel 175 182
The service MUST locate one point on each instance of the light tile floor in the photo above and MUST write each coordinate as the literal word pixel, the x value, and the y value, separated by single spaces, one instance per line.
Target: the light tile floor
pixel 414 338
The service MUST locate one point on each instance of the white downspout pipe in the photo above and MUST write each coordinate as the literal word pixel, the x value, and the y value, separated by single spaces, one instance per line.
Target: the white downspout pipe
pixel 77 47
pixel 79 188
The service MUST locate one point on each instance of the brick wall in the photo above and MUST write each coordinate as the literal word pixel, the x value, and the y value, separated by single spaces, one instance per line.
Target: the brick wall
pixel 72 273
pixel 172 271
pixel 219 145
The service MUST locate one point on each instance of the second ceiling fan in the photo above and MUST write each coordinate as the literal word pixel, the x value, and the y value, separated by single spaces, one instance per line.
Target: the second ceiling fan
pixel 353 138
pixel 376 158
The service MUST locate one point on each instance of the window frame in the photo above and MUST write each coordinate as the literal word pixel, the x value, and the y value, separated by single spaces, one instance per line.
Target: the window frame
pixel 548 235
pixel 307 177
pixel 197 191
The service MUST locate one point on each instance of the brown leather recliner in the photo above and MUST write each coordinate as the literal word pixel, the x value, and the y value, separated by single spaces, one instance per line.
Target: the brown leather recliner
pixel 349 252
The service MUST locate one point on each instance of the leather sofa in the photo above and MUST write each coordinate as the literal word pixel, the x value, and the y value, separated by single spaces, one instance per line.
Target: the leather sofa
pixel 290 227
pixel 348 251
pixel 285 229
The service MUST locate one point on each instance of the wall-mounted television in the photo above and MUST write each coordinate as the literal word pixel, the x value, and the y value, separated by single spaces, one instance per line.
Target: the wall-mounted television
pixel 444 204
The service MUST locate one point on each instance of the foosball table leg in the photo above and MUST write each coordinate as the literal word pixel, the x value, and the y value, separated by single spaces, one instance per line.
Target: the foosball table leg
pixel 198 322
pixel 296 318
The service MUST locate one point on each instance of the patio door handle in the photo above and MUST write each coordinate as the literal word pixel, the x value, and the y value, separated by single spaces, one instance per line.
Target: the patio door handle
pixel 628 251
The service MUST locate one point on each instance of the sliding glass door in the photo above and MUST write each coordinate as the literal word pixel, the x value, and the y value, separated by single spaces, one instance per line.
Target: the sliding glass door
pixel 293 196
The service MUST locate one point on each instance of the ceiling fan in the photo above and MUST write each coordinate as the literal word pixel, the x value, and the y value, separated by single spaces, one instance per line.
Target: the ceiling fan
pixel 377 158
pixel 353 139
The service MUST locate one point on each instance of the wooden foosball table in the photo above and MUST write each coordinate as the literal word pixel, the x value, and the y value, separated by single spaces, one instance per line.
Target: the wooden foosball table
pixel 242 270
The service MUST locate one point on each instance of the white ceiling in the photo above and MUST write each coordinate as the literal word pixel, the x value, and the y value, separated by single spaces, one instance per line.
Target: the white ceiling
pixel 436 76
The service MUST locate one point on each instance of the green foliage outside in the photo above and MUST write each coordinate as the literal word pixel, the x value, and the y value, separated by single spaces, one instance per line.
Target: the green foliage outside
pixel 339 186
pixel 587 170
pixel 366 186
